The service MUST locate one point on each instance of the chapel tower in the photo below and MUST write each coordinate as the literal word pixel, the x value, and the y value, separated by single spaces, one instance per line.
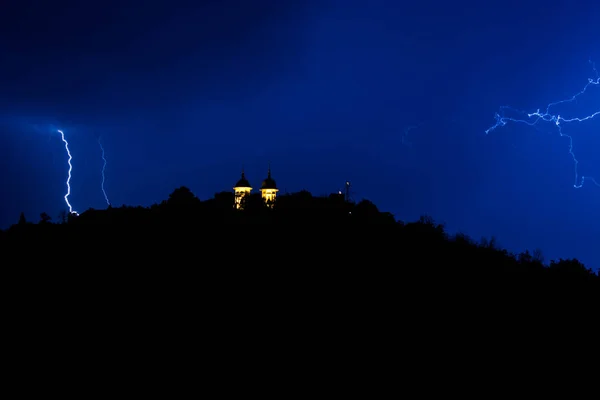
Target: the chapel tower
pixel 269 189
pixel 241 189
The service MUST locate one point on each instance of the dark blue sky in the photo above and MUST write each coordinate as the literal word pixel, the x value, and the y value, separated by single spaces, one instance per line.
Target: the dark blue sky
pixel 185 92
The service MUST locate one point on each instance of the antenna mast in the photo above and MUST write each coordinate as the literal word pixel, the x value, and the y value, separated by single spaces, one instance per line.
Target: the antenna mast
pixel 347 196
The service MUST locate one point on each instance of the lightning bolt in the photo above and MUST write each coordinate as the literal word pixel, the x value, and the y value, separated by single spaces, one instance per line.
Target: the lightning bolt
pixel 103 169
pixel 558 120
pixel 69 176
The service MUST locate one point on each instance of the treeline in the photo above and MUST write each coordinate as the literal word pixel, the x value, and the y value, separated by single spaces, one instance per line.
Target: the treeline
pixel 314 278
pixel 324 233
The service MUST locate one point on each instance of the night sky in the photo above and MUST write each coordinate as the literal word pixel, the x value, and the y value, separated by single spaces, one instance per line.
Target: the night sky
pixel 188 92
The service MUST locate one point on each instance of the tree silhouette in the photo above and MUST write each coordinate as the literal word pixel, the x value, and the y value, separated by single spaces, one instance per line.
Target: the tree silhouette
pixel 183 197
pixel 571 267
pixel 45 218
pixel 62 216
pixel 333 241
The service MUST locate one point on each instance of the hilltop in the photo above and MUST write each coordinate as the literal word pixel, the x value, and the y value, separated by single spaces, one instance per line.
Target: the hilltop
pixel 310 261
pixel 300 227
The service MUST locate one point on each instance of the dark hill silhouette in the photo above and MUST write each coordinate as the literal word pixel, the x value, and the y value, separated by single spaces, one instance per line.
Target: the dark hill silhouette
pixel 311 282
pixel 309 245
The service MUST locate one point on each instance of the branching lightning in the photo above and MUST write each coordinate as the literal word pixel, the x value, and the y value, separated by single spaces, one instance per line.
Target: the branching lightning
pixel 103 169
pixel 69 176
pixel 558 120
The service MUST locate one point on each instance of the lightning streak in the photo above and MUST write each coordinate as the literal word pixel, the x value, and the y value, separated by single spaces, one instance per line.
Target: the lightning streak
pixel 69 176
pixel 103 169
pixel 558 120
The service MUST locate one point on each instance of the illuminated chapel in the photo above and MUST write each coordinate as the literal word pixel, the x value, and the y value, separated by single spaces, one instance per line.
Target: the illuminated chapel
pixel 268 190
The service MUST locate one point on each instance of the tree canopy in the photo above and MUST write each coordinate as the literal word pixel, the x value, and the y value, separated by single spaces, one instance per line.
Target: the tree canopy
pixel 326 237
